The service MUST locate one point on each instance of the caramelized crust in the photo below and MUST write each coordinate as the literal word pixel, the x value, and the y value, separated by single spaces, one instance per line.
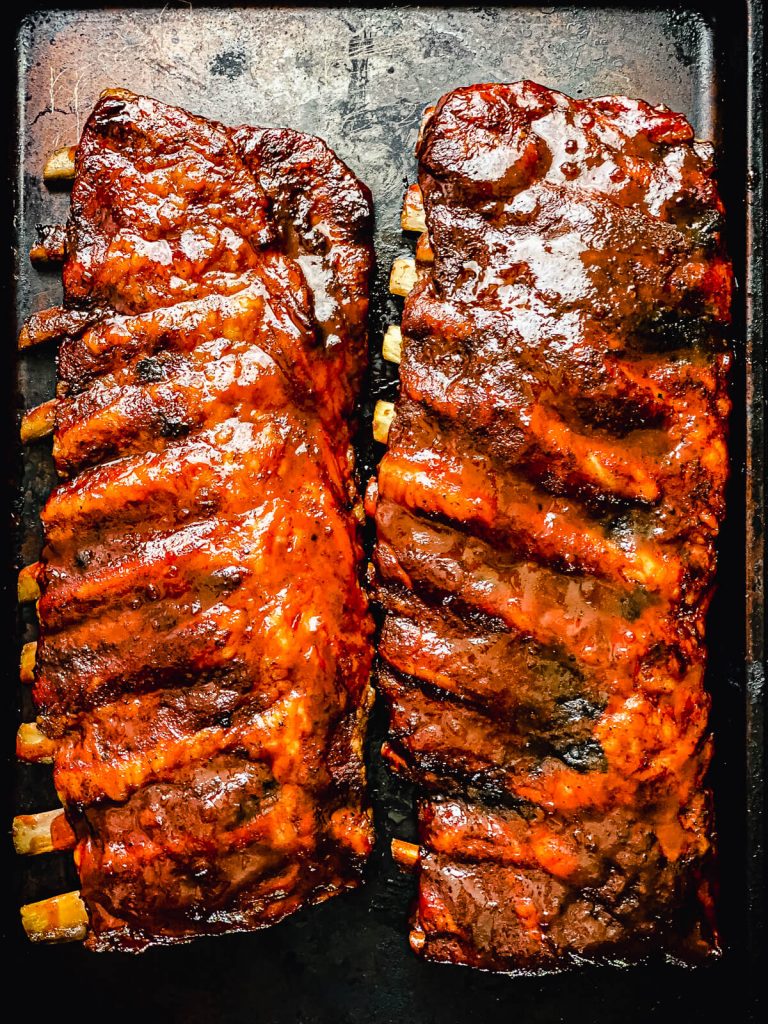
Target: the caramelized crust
pixel 205 644
pixel 546 517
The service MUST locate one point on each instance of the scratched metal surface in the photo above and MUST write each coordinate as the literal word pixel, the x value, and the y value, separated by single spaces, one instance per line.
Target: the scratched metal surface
pixel 359 77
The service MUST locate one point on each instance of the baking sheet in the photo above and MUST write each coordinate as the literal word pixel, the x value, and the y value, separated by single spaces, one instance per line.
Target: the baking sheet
pixel 359 77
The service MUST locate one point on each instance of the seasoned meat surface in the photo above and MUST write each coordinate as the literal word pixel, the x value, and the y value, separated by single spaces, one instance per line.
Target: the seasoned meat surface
pixel 205 643
pixel 546 516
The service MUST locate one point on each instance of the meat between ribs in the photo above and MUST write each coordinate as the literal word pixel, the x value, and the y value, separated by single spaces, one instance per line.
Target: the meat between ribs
pixel 546 516
pixel 205 644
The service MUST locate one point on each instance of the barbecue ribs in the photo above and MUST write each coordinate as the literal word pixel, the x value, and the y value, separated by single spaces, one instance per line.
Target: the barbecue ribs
pixel 205 643
pixel 546 516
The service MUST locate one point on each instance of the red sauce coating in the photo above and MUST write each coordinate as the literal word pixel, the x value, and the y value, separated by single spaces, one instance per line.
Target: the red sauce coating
pixel 546 515
pixel 205 644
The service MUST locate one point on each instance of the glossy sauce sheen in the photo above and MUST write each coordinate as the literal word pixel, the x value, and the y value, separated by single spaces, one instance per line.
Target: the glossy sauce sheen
pixel 205 644
pixel 546 516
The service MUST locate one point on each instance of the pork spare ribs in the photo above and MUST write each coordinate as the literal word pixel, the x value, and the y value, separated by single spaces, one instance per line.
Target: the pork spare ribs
pixel 546 515
pixel 205 643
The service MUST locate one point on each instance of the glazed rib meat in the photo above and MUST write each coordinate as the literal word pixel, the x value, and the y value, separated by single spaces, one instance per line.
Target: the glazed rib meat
pixel 546 516
pixel 205 644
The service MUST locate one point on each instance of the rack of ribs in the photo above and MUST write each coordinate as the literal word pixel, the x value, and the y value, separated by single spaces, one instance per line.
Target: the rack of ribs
pixel 202 668
pixel 546 515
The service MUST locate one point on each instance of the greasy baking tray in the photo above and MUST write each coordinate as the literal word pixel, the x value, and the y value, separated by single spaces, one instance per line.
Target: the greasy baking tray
pixel 359 77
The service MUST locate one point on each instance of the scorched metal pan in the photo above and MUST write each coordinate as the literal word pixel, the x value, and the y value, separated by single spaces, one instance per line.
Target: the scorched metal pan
pixel 360 77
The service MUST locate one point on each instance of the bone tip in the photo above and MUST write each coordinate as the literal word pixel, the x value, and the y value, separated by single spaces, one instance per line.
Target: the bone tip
pixel 403 276
pixel 33 745
pixel 27 662
pixel 60 166
pixel 28 586
pixel 38 254
pixel 383 414
pixel 406 855
pixel 39 422
pixel 412 217
pixel 58 919
pixel 391 348
pixel 32 833
pixel 50 249
pixel 115 93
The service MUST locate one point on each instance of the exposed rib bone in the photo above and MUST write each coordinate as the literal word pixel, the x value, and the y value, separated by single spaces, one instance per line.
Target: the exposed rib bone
pixel 34 834
pixel 34 746
pixel 58 919
pixel 403 276
pixel 424 251
pixel 407 855
pixel 426 117
pixel 27 662
pixel 382 420
pixel 392 346
pixel 55 323
pixel 412 217
pixel 51 245
pixel 39 422
pixel 28 586
pixel 60 166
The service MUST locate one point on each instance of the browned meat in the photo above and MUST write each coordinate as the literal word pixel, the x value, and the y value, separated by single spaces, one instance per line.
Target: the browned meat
pixel 546 517
pixel 205 644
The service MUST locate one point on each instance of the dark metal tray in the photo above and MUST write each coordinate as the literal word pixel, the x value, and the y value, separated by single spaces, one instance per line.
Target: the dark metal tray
pixel 359 77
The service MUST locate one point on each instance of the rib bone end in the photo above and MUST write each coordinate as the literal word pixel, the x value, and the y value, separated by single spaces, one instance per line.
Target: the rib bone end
pixel 51 245
pixel 34 746
pixel 412 218
pixel 393 343
pixel 60 166
pixel 403 276
pixel 35 834
pixel 58 919
pixel 383 414
pixel 406 855
pixel 39 422
pixel 28 586
pixel 27 662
